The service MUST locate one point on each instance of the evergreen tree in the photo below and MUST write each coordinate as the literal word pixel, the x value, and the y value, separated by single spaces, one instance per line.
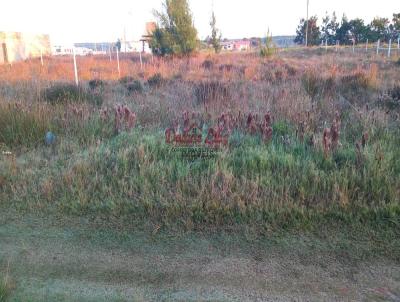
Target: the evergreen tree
pixel 269 48
pixel 215 34
pixel 314 34
pixel 175 33
pixel 329 28
pixel 343 34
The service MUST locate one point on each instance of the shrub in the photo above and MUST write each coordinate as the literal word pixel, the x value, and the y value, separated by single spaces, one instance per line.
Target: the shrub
pixel 208 64
pixel 269 48
pixel 131 84
pixel 226 68
pixel 316 85
pixel 392 101
pixel 359 80
pixel 355 81
pixel 135 86
pixel 211 91
pixel 156 80
pixel 70 93
pixel 96 83
pixel 283 129
pixel 395 93
pixel 126 80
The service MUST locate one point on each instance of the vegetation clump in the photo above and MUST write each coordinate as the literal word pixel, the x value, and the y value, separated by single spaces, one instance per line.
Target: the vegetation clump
pixel 69 93
pixel 208 91
pixel 156 80
pixel 96 83
pixel 268 48
pixel 207 64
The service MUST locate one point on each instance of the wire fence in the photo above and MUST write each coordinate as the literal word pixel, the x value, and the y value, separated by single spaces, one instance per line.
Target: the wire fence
pixel 389 49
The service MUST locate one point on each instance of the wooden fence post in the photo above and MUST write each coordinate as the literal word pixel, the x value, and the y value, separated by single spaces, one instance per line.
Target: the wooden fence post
pixel 377 47
pixel 75 67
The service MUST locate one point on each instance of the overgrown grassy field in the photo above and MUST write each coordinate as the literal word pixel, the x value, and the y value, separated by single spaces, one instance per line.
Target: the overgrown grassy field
pixel 306 186
pixel 333 156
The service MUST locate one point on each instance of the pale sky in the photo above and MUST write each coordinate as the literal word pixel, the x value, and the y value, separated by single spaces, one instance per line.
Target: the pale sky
pixel 70 21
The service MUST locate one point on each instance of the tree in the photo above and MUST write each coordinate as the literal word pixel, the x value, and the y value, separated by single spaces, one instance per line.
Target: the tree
pixel 175 33
pixel 313 32
pixel 380 29
pixel 215 34
pixel 343 34
pixel 394 28
pixel 359 31
pixel 396 21
pixel 329 28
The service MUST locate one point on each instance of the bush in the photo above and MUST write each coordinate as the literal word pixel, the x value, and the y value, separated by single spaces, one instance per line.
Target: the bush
pixel 266 52
pixel 156 80
pixel 208 64
pixel 211 91
pixel 226 68
pixel 96 83
pixel 269 48
pixel 131 84
pixel 134 87
pixel 316 85
pixel 355 82
pixel 126 80
pixel 392 101
pixel 70 93
pixel 395 93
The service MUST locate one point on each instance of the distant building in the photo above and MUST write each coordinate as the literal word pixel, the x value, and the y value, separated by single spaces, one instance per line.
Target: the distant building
pixel 227 45
pixel 16 46
pixel 236 45
pixel 60 50
pixel 97 48
pixel 242 45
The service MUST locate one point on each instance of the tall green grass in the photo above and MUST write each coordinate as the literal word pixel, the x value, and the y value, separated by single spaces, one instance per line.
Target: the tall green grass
pixel 6 287
pixel 25 126
pixel 287 185
pixel 22 126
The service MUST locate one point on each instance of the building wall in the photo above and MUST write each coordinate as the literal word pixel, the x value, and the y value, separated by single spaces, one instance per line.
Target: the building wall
pixel 18 46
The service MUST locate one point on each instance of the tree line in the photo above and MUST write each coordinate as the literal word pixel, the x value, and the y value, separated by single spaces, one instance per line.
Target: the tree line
pixel 331 31
pixel 175 33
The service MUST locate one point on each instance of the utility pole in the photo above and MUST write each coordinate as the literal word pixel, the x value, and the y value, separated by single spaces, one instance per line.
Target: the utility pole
pixel 125 37
pixel 307 25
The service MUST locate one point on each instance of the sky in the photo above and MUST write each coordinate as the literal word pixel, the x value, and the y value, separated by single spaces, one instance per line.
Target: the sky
pixel 70 21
